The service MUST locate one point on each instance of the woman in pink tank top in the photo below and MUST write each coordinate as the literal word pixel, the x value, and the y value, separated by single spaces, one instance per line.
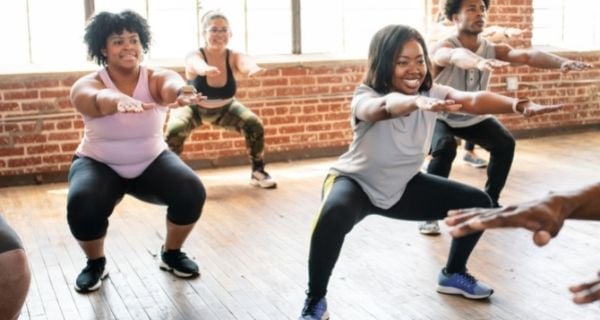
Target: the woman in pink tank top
pixel 124 106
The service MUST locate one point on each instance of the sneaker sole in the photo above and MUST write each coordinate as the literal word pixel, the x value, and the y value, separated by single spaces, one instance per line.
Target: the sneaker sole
pixel 268 185
pixel 94 287
pixel 455 291
pixel 478 166
pixel 430 233
pixel 163 266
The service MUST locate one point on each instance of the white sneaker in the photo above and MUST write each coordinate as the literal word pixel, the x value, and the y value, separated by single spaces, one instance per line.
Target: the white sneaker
pixel 260 178
pixel 431 228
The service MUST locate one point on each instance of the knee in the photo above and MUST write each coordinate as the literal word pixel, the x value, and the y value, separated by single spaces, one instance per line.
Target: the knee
pixel 14 282
pixel 445 148
pixel 88 219
pixel 336 217
pixel 187 207
pixel 253 127
pixel 505 145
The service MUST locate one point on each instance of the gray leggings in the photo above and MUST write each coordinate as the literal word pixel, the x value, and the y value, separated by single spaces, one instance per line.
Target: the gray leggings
pixel 95 189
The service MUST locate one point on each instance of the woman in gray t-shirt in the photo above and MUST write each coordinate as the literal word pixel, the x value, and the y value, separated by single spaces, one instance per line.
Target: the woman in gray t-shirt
pixel 393 114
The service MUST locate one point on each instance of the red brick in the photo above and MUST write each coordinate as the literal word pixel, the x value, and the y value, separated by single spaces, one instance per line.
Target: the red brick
pixel 57 158
pixel 275 82
pixel 289 91
pixel 11 85
pixel 63 136
pixel 26 162
pixel 317 90
pixel 45 148
pixel 43 106
pixel 8 106
pixel 54 93
pixel 294 71
pixel 36 84
pixel 21 95
pixel 68 147
pixel 14 151
pixel 28 139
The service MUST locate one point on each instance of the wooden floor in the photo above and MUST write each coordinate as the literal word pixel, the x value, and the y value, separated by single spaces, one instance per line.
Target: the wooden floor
pixel 252 247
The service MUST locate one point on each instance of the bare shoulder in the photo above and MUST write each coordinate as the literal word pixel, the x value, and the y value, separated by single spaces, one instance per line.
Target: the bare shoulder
pixel 89 80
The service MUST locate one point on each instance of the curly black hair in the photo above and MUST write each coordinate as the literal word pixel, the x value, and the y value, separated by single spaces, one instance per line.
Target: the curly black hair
pixel 385 46
pixel 103 24
pixel 453 6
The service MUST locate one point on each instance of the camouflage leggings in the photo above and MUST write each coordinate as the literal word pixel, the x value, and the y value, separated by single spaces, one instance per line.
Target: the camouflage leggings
pixel 234 116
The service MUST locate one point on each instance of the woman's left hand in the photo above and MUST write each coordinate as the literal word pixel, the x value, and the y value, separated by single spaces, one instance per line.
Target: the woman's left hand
pixel 186 98
pixel 534 109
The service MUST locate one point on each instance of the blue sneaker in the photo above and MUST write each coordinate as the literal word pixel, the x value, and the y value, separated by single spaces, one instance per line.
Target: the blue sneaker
pixel 462 283
pixel 314 309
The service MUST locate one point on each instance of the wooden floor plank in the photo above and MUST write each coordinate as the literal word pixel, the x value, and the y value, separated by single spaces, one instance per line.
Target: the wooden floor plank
pixel 252 248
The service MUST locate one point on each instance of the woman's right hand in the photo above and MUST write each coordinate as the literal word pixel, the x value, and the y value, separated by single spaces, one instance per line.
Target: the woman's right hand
pixel 127 104
pixel 437 105
pixel 211 71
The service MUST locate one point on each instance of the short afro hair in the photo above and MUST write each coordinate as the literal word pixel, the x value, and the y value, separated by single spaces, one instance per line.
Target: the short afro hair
pixel 103 24
pixel 453 6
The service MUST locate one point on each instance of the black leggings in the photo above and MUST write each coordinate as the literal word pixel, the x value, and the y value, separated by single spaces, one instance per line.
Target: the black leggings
pixel 491 135
pixel 345 204
pixel 95 189
pixel 9 240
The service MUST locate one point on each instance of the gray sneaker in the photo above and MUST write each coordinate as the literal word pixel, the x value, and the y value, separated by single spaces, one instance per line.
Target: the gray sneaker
pixel 474 161
pixel 430 228
pixel 260 178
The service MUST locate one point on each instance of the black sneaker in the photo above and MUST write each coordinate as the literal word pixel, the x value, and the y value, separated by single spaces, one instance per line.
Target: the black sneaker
pixel 90 278
pixel 178 262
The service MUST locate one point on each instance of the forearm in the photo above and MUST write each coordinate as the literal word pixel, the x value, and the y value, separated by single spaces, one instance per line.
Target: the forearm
pixel 485 102
pixel 371 109
pixel 544 60
pixel 583 203
pixel 107 100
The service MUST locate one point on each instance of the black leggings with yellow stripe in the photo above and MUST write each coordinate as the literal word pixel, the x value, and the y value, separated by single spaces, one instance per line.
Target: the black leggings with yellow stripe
pixel 345 204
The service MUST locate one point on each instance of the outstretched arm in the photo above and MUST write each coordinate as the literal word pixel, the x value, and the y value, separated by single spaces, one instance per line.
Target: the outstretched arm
pixel 171 90
pixel 246 65
pixel 486 102
pixel 544 217
pixel 538 59
pixel 196 66
pixel 91 98
pixel 465 59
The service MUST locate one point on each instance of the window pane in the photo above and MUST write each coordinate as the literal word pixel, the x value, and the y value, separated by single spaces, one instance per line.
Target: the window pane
pixel 269 26
pixel 351 31
pixel 57 40
pixel 174 28
pixel 138 6
pixel 13 31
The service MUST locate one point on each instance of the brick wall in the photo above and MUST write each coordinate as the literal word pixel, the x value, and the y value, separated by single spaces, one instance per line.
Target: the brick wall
pixel 304 107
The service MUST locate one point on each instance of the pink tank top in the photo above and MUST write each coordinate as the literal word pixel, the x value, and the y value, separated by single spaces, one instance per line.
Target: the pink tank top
pixel 126 142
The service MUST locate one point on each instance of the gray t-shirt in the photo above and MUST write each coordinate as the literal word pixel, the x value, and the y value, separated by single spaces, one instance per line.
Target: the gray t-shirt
pixel 465 80
pixel 385 155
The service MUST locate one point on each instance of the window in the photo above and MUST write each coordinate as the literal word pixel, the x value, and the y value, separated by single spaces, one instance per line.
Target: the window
pixel 571 25
pixel 40 37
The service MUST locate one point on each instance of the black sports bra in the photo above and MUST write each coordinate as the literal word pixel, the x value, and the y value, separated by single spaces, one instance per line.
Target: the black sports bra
pixel 225 92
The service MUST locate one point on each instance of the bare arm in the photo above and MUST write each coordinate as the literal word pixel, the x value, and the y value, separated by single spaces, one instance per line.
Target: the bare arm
pixel 444 54
pixel 168 88
pixel 93 99
pixel 196 66
pixel 538 59
pixel 544 217
pixel 396 104
pixel 486 102
pixel 246 65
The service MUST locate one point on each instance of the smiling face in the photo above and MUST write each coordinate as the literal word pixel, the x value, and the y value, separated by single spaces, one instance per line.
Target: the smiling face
pixel 217 33
pixel 410 68
pixel 123 50
pixel 471 17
